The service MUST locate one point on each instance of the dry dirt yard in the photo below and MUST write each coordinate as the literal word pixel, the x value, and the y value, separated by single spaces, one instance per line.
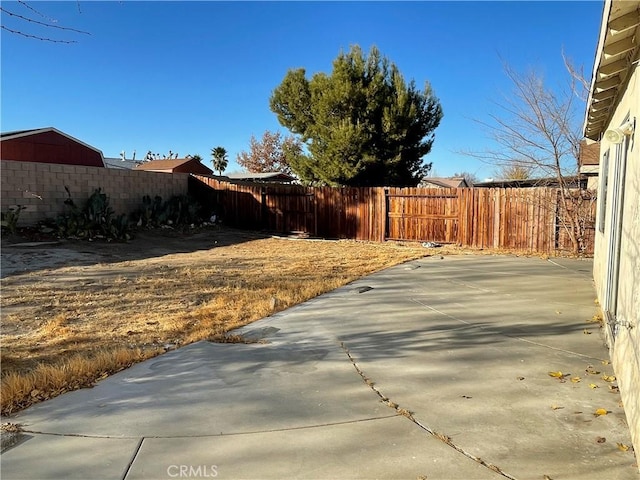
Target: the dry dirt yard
pixel 76 311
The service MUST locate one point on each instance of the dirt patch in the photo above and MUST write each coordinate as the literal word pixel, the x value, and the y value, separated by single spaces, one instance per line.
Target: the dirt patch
pixel 22 255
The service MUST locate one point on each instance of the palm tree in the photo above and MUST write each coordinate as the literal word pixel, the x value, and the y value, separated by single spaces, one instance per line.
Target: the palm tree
pixel 219 159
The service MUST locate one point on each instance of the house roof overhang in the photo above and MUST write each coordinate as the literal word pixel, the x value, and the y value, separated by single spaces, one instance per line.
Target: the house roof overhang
pixel 617 53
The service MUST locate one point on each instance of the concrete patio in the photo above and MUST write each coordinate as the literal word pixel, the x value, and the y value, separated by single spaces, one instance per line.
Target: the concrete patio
pixel 438 368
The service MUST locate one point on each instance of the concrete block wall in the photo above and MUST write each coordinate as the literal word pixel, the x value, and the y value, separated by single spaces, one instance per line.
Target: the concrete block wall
pixel 40 187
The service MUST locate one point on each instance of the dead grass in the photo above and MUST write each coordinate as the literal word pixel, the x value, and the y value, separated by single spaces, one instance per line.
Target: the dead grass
pixel 65 328
pixel 80 371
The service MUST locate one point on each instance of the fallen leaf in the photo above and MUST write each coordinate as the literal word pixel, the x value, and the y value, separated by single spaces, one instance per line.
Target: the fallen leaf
pixel 606 362
pixel 600 411
pixel 586 332
pixel 575 379
pixel 556 407
pixel 592 371
pixel 547 477
pixel 609 378
pixel 593 385
pixel 623 447
pixel 558 312
pixel 556 374
pixel 520 378
pixel 601 440
pixel 613 389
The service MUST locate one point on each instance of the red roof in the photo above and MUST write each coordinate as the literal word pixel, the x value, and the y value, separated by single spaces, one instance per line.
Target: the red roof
pixel 177 165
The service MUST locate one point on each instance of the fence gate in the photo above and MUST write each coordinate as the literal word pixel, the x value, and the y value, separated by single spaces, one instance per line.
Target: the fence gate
pixel 287 211
pixel 427 215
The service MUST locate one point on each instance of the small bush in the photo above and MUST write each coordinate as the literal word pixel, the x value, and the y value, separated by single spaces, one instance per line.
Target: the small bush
pixel 10 218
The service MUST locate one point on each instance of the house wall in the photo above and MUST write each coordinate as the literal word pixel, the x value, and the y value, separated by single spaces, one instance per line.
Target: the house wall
pixel 625 348
pixel 40 187
pixel 49 147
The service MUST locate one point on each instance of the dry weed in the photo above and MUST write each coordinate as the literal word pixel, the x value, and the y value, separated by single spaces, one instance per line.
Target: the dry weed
pixel 80 371
pixel 65 328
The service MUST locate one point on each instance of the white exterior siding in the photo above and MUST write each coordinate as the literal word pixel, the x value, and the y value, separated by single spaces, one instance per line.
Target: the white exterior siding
pixel 623 331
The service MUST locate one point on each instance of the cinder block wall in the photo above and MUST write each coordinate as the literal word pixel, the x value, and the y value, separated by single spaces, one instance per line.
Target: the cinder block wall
pixel 40 187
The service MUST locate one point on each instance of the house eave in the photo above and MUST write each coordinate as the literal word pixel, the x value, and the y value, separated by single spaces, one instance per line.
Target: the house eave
pixel 616 55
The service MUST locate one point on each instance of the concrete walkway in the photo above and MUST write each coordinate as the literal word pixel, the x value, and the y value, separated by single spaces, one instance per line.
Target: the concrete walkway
pixel 434 369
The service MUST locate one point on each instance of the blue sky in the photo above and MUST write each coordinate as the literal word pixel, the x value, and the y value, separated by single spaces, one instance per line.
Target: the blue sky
pixel 189 76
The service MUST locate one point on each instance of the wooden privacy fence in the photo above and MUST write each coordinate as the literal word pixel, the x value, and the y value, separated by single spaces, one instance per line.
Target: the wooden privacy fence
pixel 526 219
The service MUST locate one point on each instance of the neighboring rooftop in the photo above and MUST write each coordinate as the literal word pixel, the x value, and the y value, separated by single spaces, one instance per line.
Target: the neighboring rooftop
pixel 34 131
pixel 19 133
pixel 262 177
pixel 122 164
pixel 589 152
pixel 176 165
pixel 571 181
pixel 440 182
pixel 48 145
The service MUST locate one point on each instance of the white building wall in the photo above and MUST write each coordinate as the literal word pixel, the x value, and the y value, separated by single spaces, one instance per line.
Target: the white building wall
pixel 625 347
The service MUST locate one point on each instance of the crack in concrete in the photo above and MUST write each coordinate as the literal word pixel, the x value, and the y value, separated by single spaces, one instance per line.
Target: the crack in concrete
pixel 210 435
pixel 407 413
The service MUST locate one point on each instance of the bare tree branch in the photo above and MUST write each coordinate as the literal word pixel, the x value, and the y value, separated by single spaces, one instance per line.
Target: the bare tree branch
pixel 37 12
pixel 30 20
pixel 579 83
pixel 49 23
pixel 36 37
pixel 536 133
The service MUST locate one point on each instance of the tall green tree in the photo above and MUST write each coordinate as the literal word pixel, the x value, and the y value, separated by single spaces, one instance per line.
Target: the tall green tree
pixel 219 159
pixel 361 125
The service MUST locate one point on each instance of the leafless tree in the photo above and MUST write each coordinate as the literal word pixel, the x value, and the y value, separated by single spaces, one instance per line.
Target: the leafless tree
pixel 25 20
pixel 512 171
pixel 537 131
pixel 470 178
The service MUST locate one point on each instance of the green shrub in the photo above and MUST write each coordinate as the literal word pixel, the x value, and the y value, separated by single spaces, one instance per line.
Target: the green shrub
pixel 178 211
pixel 95 219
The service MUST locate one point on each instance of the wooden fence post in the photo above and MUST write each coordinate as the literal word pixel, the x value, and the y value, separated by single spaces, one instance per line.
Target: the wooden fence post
pixel 386 214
